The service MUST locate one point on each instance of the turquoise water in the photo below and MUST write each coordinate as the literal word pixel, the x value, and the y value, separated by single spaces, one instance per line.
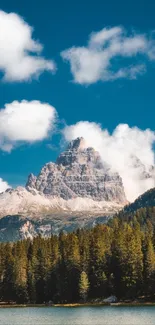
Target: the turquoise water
pixel 78 316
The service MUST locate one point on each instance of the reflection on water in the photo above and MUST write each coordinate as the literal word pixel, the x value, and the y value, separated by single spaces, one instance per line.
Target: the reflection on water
pixel 78 316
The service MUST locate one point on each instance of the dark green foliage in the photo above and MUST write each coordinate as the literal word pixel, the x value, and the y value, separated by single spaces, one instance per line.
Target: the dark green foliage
pixel 114 259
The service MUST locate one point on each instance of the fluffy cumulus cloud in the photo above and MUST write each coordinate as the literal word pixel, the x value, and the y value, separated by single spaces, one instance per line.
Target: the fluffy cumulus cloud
pixel 106 54
pixel 3 185
pixel 20 54
pixel 25 122
pixel 129 151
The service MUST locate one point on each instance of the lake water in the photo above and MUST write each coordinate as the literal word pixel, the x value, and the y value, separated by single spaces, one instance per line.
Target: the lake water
pixel 78 316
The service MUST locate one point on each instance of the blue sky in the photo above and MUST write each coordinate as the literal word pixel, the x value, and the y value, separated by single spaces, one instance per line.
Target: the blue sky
pixel 58 26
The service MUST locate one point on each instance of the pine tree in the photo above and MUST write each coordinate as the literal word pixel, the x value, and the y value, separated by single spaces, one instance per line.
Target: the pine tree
pixel 83 286
pixel 20 273
pixel 149 271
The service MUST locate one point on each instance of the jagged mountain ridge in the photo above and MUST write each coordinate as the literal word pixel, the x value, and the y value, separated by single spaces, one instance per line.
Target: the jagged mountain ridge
pixel 18 227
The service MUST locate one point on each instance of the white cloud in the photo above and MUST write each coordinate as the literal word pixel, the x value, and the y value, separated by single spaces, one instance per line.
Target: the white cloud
pixel 106 53
pixel 129 151
pixel 104 35
pixel 19 52
pixel 3 185
pixel 25 121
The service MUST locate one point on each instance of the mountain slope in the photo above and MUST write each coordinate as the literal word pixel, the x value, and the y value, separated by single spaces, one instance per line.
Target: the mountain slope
pixel 145 200
pixel 21 201
pixel 16 227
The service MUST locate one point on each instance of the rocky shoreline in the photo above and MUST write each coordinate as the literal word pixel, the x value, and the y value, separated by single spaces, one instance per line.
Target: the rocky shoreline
pixel 87 304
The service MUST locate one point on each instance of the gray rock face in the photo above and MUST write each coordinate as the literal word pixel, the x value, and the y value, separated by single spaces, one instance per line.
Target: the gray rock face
pixel 78 172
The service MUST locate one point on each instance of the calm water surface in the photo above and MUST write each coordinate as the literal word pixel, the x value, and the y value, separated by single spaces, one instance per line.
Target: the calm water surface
pixel 78 316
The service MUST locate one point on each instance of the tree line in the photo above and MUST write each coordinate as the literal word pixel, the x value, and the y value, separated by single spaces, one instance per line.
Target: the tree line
pixel 117 258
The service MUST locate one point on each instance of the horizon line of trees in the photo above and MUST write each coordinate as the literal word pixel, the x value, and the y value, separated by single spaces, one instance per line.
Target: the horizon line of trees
pixel 113 259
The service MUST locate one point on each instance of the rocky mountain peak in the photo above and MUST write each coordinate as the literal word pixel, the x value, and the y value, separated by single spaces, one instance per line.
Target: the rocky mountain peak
pixel 78 153
pixel 31 180
pixel 79 190
pixel 78 172
pixel 77 144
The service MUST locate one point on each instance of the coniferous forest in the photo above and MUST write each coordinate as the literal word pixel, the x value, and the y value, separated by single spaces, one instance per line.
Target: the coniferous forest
pixel 113 259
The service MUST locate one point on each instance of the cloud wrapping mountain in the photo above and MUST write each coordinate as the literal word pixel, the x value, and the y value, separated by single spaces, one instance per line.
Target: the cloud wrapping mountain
pixel 105 56
pixel 20 54
pixel 25 122
pixel 129 151
pixel 3 185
